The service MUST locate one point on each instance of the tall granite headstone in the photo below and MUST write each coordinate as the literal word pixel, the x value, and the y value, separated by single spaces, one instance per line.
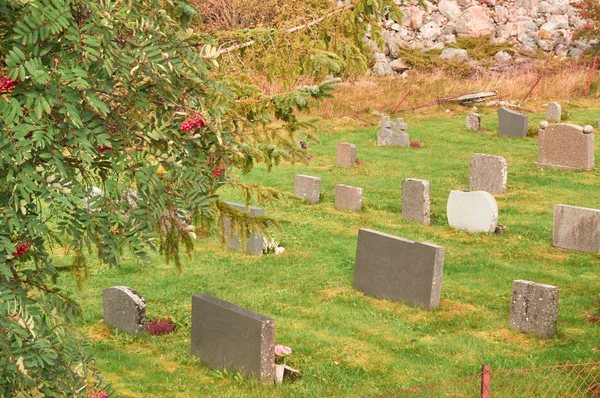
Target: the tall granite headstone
pixel 346 155
pixel 254 241
pixel 348 198
pixel 124 309
pixel 472 211
pixel 534 308
pixel 415 200
pixel 576 228
pixel 553 112
pixel 511 124
pixel 308 188
pixel 565 147
pixel 488 173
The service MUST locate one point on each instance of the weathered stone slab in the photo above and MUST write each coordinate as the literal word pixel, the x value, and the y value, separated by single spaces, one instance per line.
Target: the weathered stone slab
pixel 472 211
pixel 576 228
pixel 511 124
pixel 565 147
pixel 488 173
pixel 415 200
pixel 474 121
pixel 398 269
pixel 254 242
pixel 226 336
pixel 307 187
pixel 124 309
pixel 392 135
pixel 553 112
pixel 348 198
pixel 346 155
pixel 534 308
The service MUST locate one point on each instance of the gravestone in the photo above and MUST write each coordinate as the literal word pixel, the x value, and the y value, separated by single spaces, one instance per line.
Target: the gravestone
pixel 565 147
pixel 398 269
pixel 511 124
pixel 392 134
pixel 488 173
pixel 472 211
pixel 346 155
pixel 553 112
pixel 308 188
pixel 254 241
pixel 226 336
pixel 415 200
pixel 576 228
pixel 474 121
pixel 124 309
pixel 348 198
pixel 534 308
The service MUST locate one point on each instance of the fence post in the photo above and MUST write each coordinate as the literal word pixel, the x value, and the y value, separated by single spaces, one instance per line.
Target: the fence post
pixel 485 381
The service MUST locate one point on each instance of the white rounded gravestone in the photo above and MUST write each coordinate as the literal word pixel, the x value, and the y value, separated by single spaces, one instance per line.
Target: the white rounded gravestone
pixel 475 211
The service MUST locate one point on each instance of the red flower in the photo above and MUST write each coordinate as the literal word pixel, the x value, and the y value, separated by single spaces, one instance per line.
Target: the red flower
pixel 193 123
pixel 217 172
pixel 588 26
pixel 103 148
pixel 7 84
pixel 21 249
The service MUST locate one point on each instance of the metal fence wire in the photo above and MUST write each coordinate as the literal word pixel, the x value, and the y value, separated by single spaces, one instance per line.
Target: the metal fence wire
pixel 581 379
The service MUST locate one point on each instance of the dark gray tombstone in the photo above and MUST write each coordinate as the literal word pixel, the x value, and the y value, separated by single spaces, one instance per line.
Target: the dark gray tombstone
pixel 576 228
pixel 393 268
pixel 511 124
pixel 124 309
pixel 226 336
pixel 254 242
pixel 534 308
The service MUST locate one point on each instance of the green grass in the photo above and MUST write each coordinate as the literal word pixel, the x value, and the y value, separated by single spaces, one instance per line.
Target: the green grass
pixel 345 343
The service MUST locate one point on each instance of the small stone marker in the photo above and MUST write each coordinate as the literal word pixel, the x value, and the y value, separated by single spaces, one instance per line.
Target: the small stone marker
pixel 399 269
pixel 511 124
pixel 565 147
pixel 472 211
pixel 534 308
pixel 576 228
pixel 415 200
pixel 348 198
pixel 124 309
pixel 553 112
pixel 307 187
pixel 488 173
pixel 226 336
pixel 254 243
pixel 393 135
pixel 346 155
pixel 474 121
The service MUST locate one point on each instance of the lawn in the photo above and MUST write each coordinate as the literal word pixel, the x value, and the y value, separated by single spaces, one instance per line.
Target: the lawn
pixel 346 343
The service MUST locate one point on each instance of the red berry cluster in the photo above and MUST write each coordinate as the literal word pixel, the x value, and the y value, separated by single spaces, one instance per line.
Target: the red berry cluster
pixel 21 250
pixel 193 123
pixel 102 394
pixel 7 84
pixel 103 148
pixel 217 172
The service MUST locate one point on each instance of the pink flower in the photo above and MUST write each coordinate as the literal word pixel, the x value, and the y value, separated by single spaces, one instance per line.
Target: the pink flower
pixel 281 350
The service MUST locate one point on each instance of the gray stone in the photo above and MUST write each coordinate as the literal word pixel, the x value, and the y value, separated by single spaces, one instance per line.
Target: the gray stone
pixel 454 53
pixel 348 198
pixel 393 268
pixel 474 121
pixel 472 211
pixel 124 309
pixel 534 308
pixel 553 112
pixel 576 228
pixel 544 124
pixel 226 336
pixel 254 242
pixel 587 129
pixel 395 135
pixel 565 147
pixel 449 9
pixel 308 188
pixel 511 124
pixel 488 173
pixel 502 57
pixel 415 200
pixel 346 155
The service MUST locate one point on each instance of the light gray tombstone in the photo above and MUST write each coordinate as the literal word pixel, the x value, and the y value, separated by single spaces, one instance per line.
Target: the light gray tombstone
pixel 393 135
pixel 346 155
pixel 534 308
pixel 124 309
pixel 511 124
pixel 226 336
pixel 553 112
pixel 348 198
pixel 474 121
pixel 254 242
pixel 308 188
pixel 565 147
pixel 472 211
pixel 488 173
pixel 576 228
pixel 399 269
pixel 415 200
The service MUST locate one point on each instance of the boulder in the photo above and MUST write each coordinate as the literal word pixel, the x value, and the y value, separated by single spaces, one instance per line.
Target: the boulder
pixel 454 53
pixel 474 22
pixel 449 9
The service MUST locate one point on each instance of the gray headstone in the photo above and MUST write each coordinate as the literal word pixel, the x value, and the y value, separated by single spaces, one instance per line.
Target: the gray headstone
pixel 488 173
pixel 576 228
pixel 415 200
pixel 534 308
pixel 565 147
pixel 308 188
pixel 393 134
pixel 511 124
pixel 393 268
pixel 254 242
pixel 346 155
pixel 226 336
pixel 553 112
pixel 124 309
pixel 474 121
pixel 348 198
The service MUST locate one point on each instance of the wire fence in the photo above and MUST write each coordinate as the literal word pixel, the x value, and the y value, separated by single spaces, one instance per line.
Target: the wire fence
pixel 581 379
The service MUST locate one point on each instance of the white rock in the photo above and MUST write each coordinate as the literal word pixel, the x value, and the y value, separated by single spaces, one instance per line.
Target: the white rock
pixel 454 53
pixel 449 9
pixel 396 27
pixel 279 250
pixel 502 56
pixel 587 129
pixel 430 31
pixel 472 211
